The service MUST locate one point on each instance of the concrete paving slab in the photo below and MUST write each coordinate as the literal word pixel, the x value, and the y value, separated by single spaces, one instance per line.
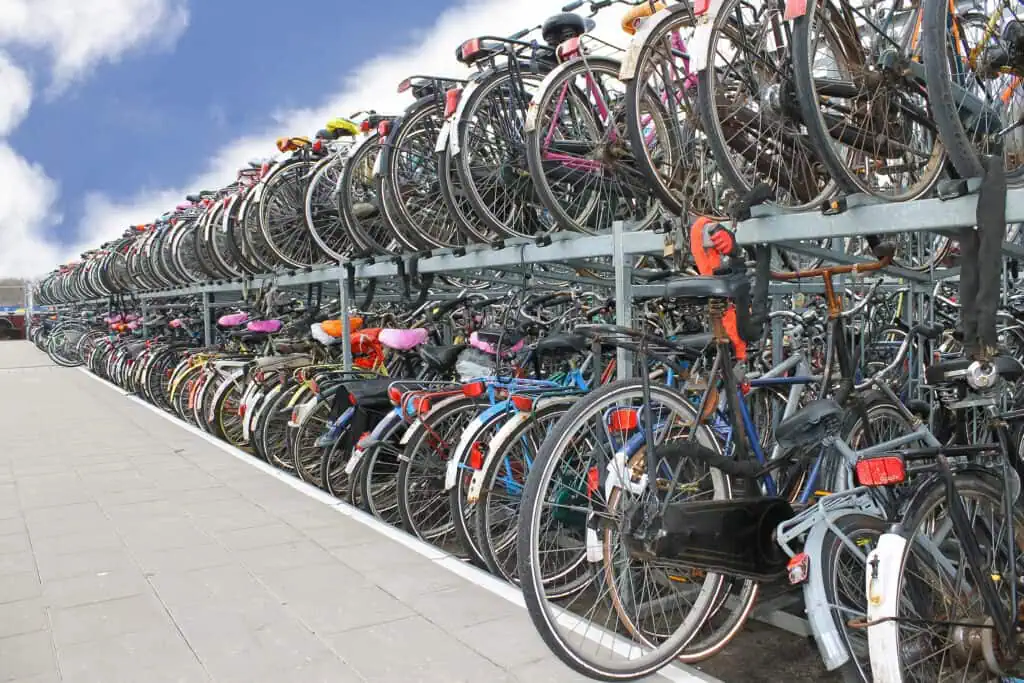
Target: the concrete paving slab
pixel 132 549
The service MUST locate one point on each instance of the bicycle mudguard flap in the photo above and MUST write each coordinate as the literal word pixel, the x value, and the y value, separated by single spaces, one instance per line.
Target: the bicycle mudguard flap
pixel 831 644
pixel 882 588
pixel 735 537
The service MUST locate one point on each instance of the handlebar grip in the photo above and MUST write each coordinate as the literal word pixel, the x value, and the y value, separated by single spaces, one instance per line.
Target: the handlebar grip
pixel 449 306
pixel 930 331
pixel 549 300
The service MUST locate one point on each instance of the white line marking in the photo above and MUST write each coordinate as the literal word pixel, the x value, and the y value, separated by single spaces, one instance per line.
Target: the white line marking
pixel 677 673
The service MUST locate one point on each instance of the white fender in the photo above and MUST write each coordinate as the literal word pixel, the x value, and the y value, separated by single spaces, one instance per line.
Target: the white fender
pixel 700 43
pixel 497 444
pixel 453 141
pixel 451 474
pixel 629 62
pixel 882 580
pixel 532 109
pixel 442 137
pixel 476 484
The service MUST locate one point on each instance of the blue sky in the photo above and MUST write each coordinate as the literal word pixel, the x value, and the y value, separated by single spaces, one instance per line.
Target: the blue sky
pixel 146 121
pixel 111 111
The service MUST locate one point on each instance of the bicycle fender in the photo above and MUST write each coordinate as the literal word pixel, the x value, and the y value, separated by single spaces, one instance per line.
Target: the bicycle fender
pixel 476 483
pixel 532 109
pixel 467 92
pixel 700 43
pixel 831 645
pixel 385 426
pixel 451 474
pixel 442 137
pixel 636 45
pixel 882 590
pixel 418 425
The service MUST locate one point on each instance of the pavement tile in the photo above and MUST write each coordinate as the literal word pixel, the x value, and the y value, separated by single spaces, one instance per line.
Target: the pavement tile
pixel 99 620
pixel 29 654
pixel 429 654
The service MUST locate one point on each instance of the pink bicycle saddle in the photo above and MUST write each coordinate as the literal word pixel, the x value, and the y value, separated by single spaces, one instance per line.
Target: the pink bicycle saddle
pixel 477 343
pixel 403 340
pixel 232 319
pixel 268 326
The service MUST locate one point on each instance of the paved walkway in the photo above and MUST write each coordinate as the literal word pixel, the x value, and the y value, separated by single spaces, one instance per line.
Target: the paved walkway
pixel 134 550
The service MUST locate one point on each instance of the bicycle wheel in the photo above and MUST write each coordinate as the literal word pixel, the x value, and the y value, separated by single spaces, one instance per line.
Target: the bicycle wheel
pixel 414 178
pixel 938 593
pixel 510 454
pixel 973 78
pixel 870 124
pixel 578 151
pixel 491 156
pixel 422 500
pixel 282 216
pixel 662 119
pixel 638 614
pixel 323 220
pixel 748 111
pixel 843 574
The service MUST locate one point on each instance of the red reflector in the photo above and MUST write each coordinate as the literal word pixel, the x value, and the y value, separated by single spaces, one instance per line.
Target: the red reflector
pixel 383 128
pixel 365 126
pixel 318 145
pixel 593 481
pixel 421 405
pixel 624 420
pixel 295 416
pixel 882 471
pixel 700 7
pixel 405 85
pixel 264 169
pixel 394 395
pixel 794 9
pixel 470 48
pixel 241 410
pixel 523 404
pixel 476 456
pixel 451 101
pixel 259 376
pixel 798 568
pixel 474 389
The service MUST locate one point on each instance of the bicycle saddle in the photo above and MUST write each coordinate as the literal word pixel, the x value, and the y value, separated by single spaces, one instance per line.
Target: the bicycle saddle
pixel 268 326
pixel 441 357
pixel 708 287
pixel 488 341
pixel 403 340
pixel 562 343
pixel 810 425
pixel 562 27
pixel 232 319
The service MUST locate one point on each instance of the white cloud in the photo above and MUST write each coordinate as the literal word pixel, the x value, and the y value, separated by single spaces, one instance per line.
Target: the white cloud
pixel 371 85
pixel 77 36
pixel 81 34
pixel 16 97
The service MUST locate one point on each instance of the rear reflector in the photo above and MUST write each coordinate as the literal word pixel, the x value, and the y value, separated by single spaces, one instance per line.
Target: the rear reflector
pixel 885 470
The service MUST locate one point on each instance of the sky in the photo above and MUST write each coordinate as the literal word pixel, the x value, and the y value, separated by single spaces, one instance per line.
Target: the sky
pixel 111 111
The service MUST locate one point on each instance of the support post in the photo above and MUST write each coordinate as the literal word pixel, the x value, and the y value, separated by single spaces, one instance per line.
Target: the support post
pixel 207 318
pixel 346 335
pixel 623 295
